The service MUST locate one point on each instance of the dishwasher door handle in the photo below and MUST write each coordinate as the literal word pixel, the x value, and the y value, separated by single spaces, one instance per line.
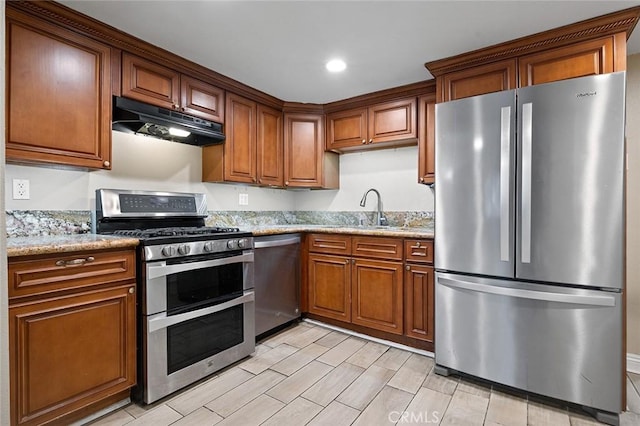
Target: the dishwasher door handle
pixel 276 243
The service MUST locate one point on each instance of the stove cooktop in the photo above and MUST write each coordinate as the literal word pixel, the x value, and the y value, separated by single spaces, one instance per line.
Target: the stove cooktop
pixel 175 232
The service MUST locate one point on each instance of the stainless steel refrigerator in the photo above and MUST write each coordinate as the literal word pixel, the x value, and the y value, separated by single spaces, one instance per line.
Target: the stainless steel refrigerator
pixel 529 239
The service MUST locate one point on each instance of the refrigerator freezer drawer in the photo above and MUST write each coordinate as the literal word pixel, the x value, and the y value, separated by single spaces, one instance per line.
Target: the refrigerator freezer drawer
pixel 555 341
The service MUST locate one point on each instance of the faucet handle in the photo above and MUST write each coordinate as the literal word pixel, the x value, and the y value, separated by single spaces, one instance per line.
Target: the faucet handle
pixel 383 221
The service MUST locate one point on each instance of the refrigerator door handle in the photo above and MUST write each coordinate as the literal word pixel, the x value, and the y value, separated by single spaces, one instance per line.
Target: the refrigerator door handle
pixel 546 296
pixel 527 115
pixel 505 161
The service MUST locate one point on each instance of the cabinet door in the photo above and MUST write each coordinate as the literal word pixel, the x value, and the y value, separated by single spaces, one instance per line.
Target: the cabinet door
pixel 69 352
pixel 58 100
pixel 578 60
pixel 494 77
pixel 347 129
pixel 392 121
pixel 149 82
pixel 240 146
pixel 427 139
pixel 270 154
pixel 303 150
pixel 376 294
pixel 329 291
pixel 201 99
pixel 419 302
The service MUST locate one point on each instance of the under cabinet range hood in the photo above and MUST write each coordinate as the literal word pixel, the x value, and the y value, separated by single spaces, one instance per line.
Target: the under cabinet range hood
pixel 131 116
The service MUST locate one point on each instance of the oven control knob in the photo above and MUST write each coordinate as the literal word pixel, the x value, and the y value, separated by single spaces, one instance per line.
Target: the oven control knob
pixel 184 249
pixel 242 243
pixel 168 251
pixel 208 247
pixel 232 244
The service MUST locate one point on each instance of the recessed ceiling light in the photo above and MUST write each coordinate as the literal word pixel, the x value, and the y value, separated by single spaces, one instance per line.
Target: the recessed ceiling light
pixel 336 65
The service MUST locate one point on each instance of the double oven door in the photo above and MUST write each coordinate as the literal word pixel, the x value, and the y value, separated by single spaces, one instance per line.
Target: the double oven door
pixel 197 316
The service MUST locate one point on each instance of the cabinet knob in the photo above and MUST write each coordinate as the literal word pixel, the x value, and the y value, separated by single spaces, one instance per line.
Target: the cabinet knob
pixel 106 163
pixel 353 261
pixel 286 183
pixel 175 105
pixel 421 180
pixel 408 268
pixel 370 140
pixel 183 109
pixel 132 290
pixel 418 244
pixel 346 262
pixel 364 141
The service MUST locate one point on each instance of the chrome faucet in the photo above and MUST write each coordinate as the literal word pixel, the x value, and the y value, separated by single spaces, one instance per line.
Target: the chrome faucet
pixel 382 221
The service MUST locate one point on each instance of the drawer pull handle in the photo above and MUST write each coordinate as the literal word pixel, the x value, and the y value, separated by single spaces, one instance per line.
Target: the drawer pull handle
pixel 75 261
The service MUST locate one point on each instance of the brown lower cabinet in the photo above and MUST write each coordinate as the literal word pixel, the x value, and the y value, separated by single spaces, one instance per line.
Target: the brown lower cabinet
pixel 376 295
pixel 374 285
pixel 72 350
pixel 418 302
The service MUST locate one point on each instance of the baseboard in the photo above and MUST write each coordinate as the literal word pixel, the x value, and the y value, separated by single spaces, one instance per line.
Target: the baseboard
pixel 633 363
pixel 370 338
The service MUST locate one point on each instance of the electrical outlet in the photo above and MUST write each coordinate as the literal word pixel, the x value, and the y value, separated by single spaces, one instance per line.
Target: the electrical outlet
pixel 243 199
pixel 21 189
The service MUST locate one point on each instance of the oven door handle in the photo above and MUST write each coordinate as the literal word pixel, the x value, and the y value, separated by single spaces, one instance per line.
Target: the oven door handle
pixel 165 321
pixel 162 269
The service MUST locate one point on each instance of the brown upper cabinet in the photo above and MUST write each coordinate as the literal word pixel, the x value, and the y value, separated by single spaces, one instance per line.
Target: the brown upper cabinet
pixel 253 150
pixel 381 125
pixel 306 164
pixel 58 100
pixel 146 81
pixel 594 46
pixel 591 47
pixel 493 77
pixel 591 57
pixel 427 139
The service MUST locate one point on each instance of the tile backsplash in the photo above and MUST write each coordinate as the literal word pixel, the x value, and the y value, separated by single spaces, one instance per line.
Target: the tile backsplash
pixel 25 223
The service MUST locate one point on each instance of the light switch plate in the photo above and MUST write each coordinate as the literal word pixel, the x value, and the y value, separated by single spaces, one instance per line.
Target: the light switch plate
pixel 243 199
pixel 21 189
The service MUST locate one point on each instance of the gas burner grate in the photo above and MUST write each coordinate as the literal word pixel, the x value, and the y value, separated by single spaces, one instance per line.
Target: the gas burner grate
pixel 174 231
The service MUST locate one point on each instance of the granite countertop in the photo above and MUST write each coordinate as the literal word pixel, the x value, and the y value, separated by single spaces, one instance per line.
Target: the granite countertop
pixel 50 244
pixel 386 231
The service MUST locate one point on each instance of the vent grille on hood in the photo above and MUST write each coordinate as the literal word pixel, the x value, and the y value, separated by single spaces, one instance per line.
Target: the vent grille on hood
pixel 130 116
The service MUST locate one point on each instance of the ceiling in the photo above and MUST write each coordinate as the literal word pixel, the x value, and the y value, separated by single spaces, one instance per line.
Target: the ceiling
pixel 280 47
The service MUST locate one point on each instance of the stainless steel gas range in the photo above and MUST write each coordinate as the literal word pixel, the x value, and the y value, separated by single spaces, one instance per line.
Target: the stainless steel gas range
pixel 196 311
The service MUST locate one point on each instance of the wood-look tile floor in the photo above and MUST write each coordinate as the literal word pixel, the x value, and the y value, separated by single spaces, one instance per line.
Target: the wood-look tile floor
pixel 310 375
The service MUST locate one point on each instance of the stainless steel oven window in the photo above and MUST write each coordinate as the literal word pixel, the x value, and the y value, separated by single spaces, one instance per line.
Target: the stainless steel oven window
pixel 160 378
pixel 156 273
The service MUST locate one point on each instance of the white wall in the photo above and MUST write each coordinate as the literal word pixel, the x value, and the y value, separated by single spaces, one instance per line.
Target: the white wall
pixel 633 204
pixel 393 172
pixel 144 163
pixel 138 163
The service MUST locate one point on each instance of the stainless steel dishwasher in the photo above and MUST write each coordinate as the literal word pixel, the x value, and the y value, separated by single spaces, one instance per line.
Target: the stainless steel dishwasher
pixel 277 280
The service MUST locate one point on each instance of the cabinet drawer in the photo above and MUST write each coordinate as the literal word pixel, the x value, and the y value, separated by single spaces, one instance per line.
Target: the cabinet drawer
pixel 69 271
pixel 377 248
pixel 418 251
pixel 330 243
